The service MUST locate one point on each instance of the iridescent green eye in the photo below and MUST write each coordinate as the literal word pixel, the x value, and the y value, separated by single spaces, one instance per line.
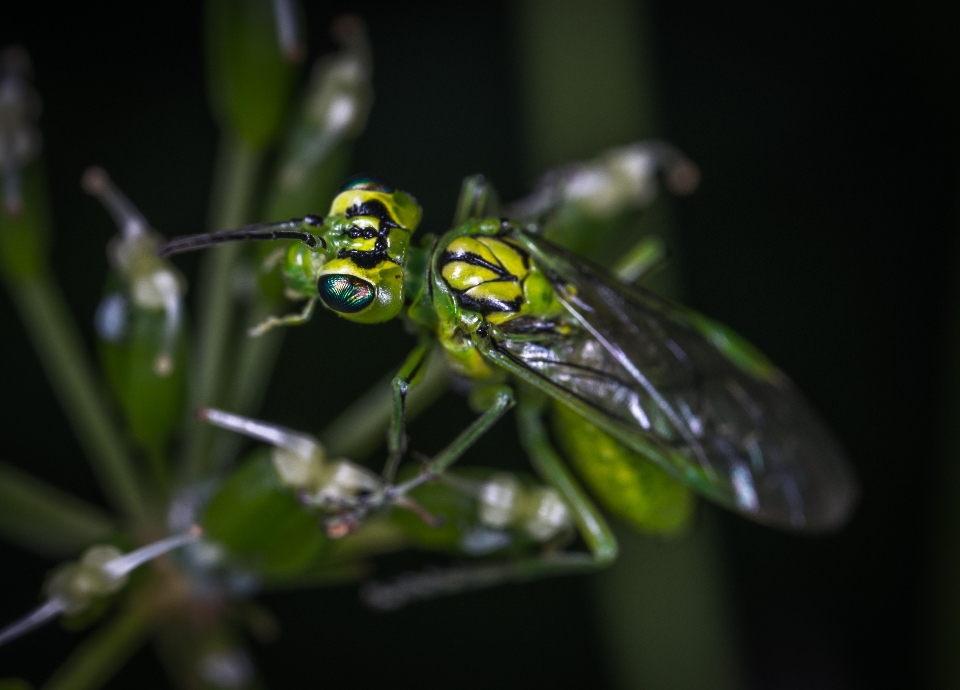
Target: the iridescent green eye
pixel 366 183
pixel 345 293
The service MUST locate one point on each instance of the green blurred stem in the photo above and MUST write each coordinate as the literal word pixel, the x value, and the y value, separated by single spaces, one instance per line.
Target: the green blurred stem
pixel 46 520
pixel 103 653
pixel 60 349
pixel 256 357
pixel 664 613
pixel 235 178
pixel 360 429
pixel 255 361
pixel 587 84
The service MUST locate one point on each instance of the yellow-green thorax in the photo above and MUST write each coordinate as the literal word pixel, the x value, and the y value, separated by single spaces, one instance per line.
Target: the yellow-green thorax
pixel 482 275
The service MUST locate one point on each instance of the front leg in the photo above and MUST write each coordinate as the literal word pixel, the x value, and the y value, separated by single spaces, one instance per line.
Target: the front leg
pixel 410 371
pixel 289 320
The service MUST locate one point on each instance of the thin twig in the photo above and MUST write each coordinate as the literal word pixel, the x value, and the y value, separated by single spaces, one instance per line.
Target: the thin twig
pixel 59 347
pixel 46 520
pixel 103 653
pixel 236 175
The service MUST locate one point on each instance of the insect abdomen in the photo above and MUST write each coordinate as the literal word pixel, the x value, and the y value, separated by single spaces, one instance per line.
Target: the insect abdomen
pixel 631 486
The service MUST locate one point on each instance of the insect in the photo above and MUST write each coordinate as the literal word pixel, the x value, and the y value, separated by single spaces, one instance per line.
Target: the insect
pixel 650 399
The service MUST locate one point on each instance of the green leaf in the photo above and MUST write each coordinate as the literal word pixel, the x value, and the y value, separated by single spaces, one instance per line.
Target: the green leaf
pixel 457 509
pixel 461 531
pixel 261 523
pixel 152 404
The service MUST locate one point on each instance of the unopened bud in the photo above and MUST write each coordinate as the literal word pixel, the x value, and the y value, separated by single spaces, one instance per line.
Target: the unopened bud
pixel 338 101
pixel 19 135
pixel 498 499
pixel 550 515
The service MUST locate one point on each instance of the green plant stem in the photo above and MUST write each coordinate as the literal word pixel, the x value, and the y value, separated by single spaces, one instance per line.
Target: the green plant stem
pixel 360 429
pixel 663 606
pixel 588 84
pixel 104 652
pixel 256 357
pixel 255 361
pixel 238 166
pixel 46 520
pixel 584 83
pixel 60 349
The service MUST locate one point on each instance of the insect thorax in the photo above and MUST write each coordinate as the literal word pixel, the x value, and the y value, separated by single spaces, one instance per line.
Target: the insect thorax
pixel 486 275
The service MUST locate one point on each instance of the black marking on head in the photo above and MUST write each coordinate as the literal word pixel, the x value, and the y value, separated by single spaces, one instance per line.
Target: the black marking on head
pixel 366 233
pixel 375 209
pixel 344 293
pixel 367 259
pixel 370 258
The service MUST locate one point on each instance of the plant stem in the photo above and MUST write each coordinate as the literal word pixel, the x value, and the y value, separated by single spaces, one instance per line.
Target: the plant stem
pixel 255 360
pixel 588 84
pixel 46 520
pixel 60 349
pixel 104 652
pixel 664 613
pixel 256 357
pixel 236 174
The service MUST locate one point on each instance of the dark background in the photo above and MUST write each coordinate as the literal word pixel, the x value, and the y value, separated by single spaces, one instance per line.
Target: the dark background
pixel 824 231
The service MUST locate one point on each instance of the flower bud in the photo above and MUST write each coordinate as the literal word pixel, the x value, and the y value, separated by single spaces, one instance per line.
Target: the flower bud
pixel 19 136
pixel 248 78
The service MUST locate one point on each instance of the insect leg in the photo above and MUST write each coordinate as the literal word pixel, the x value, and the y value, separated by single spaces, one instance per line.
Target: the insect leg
pixel 551 468
pixel 591 524
pixel 478 199
pixel 408 375
pixel 343 524
pixel 288 320
pixel 502 402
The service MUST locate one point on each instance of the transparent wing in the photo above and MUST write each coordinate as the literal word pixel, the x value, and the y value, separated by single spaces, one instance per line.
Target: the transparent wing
pixel 685 392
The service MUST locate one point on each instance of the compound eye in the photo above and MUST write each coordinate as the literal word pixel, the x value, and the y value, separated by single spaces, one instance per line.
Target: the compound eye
pixel 367 183
pixel 345 293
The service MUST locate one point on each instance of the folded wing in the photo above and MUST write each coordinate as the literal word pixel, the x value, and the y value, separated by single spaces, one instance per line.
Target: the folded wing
pixel 720 418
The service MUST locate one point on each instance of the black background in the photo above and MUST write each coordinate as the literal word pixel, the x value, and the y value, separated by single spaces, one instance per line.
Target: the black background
pixel 823 231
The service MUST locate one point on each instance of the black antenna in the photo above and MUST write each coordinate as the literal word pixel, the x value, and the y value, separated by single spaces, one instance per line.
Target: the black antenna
pixel 284 230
